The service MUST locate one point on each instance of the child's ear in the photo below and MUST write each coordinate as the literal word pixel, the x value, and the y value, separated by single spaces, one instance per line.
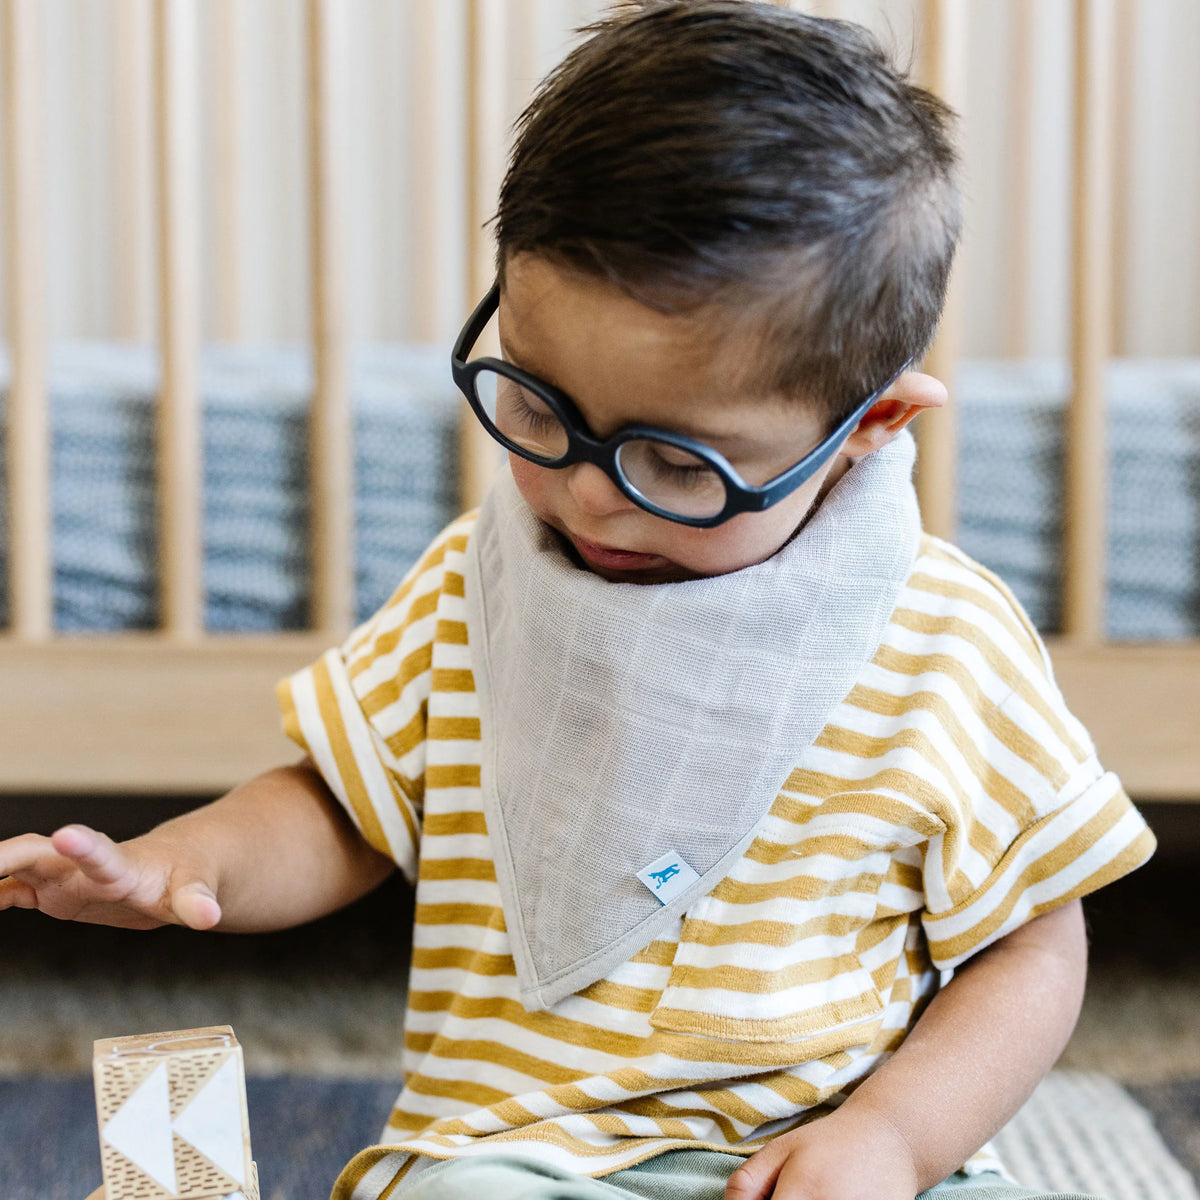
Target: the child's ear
pixel 910 394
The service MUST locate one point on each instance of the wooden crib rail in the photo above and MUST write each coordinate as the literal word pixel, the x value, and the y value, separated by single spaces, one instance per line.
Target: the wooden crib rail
pixel 182 710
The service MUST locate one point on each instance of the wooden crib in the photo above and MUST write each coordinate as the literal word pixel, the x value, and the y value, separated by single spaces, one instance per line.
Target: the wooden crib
pixel 182 711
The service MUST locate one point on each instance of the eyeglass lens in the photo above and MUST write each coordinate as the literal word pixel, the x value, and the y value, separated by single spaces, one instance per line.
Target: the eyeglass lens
pixel 670 477
pixel 520 417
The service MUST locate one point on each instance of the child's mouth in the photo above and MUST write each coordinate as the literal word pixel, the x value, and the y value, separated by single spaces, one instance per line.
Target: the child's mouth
pixel 611 559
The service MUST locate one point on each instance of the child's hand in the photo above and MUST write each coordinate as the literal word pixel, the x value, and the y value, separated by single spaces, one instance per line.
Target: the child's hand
pixel 78 874
pixel 847 1155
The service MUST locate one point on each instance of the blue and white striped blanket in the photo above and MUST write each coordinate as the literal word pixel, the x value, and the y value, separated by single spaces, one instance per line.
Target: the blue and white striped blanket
pixel 1010 420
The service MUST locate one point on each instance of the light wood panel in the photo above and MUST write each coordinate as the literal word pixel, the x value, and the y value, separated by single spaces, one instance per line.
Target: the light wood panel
pixel 146 714
pixel 143 714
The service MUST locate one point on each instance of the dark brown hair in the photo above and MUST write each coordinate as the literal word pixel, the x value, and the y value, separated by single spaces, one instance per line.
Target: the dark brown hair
pixel 749 160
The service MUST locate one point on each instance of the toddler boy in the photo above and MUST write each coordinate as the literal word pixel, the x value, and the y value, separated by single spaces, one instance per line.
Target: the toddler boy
pixel 747 824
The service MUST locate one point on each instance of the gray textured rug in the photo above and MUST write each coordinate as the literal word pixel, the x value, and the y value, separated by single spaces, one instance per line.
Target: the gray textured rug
pixel 1079 1132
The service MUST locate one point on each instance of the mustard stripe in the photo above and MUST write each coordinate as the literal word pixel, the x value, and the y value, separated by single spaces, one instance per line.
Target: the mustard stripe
pixel 659 954
pixel 347 768
pixel 446 679
pixel 951 554
pixel 356 1170
pixel 410 1122
pixel 386 642
pixel 412 666
pixel 999 663
pixel 1001 789
pixel 461 775
pixel 498 1054
pixel 999 723
pixel 462 729
pixel 458 868
pixel 666 1115
pixel 488 916
pixel 461 958
pixel 840 844
pixel 798 887
pixel 962 823
pixel 779 934
pixel 980 599
pixel 770 980
pixel 397 1179
pixel 838 795
pixel 451 824
pixel 622 996
pixel 409 737
pixel 462 1091
pixel 451 633
pixel 681 1046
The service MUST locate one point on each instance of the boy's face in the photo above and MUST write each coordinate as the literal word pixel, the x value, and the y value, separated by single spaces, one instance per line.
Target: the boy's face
pixel 622 364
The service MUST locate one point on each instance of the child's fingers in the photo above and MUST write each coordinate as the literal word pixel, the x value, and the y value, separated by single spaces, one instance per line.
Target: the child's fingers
pixel 95 854
pixel 29 852
pixel 15 894
pixel 195 905
pixel 755 1178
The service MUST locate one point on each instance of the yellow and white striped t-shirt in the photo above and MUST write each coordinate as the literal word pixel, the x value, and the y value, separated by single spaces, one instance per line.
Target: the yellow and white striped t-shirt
pixel 950 798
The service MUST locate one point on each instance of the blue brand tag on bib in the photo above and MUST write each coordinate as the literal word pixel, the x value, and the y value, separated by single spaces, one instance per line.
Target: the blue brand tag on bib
pixel 667 877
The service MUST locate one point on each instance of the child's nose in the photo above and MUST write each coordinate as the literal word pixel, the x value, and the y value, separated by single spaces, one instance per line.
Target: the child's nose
pixel 592 490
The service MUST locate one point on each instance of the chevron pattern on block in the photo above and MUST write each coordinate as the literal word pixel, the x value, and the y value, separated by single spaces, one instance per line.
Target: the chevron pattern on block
pixel 172 1115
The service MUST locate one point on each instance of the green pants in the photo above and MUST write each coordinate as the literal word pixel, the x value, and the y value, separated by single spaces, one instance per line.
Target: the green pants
pixel 675 1175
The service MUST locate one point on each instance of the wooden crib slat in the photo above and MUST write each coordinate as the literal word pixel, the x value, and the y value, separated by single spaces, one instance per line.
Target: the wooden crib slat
pixel 179 444
pixel 28 444
pixel 487 142
pixel 439 168
pixel 1019 155
pixel 228 102
pixel 330 426
pixel 1086 485
pixel 944 65
pixel 133 182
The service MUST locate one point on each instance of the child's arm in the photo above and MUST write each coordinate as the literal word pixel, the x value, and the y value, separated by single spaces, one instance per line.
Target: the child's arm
pixel 275 852
pixel 971 1060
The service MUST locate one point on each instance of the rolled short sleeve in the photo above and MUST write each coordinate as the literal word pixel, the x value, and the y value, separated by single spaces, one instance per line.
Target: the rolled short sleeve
pixel 360 710
pixel 1049 824
pixel 1092 836
pixel 323 714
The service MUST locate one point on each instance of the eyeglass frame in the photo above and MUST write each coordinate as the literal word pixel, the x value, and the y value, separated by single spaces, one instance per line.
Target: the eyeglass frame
pixel 584 446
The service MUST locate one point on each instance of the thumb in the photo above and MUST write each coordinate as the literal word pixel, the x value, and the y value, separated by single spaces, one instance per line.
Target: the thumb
pixel 755 1178
pixel 195 905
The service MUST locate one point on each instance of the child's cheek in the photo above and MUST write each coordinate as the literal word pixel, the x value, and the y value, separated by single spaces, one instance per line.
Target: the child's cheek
pixel 534 483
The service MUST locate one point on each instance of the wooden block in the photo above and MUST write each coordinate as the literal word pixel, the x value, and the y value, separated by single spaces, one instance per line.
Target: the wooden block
pixel 250 1193
pixel 172 1115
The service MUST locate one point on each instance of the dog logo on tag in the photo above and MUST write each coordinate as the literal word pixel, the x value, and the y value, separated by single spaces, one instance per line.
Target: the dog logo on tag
pixel 661 877
pixel 667 877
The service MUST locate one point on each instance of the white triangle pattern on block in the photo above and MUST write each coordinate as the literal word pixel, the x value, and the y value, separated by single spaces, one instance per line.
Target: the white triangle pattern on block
pixel 206 1122
pixel 141 1129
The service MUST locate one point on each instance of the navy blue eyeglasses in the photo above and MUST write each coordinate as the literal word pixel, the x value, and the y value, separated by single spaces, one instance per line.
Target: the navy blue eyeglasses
pixel 665 473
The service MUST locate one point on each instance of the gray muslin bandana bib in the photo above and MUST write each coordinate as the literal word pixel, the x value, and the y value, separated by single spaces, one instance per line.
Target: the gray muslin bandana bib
pixel 623 722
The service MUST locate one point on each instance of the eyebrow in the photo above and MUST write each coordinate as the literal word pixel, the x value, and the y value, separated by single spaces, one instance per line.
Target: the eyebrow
pixel 727 443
